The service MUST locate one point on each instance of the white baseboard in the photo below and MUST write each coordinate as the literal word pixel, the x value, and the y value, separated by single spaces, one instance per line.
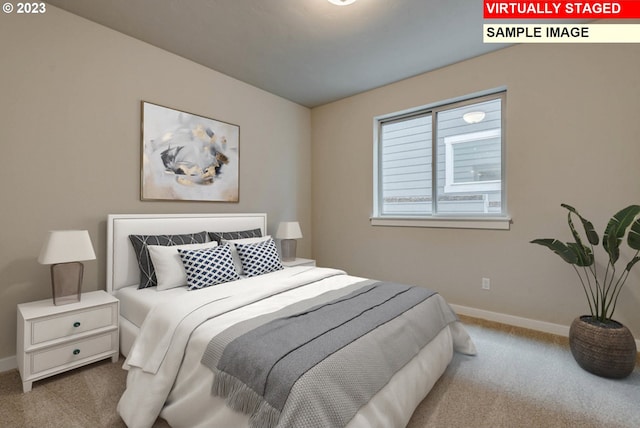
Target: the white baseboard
pixel 8 363
pixel 546 327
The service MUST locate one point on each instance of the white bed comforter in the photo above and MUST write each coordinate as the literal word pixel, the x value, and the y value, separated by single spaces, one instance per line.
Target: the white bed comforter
pixel 164 363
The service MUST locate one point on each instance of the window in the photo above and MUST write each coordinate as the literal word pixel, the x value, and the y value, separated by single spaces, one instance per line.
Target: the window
pixel 473 162
pixel 443 162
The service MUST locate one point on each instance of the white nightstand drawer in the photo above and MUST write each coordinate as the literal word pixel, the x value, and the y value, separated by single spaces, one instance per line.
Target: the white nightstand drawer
pixel 68 324
pixel 49 334
pixel 72 352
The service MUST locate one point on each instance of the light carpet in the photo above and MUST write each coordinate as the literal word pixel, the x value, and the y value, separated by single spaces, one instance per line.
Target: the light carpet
pixel 523 378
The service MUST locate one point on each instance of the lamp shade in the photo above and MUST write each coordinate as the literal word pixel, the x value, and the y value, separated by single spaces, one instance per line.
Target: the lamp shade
pixel 63 246
pixel 289 230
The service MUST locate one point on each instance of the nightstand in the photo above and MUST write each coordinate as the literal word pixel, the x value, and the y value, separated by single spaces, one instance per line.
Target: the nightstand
pixel 53 339
pixel 299 262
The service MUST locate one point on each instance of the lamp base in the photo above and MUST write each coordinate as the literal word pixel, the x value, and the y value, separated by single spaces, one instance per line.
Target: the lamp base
pixel 66 282
pixel 288 247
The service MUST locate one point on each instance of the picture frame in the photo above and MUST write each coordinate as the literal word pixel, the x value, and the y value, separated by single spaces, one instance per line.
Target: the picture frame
pixel 188 157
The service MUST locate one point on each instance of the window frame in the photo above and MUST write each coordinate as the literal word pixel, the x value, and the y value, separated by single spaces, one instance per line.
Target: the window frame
pixel 436 219
pixel 450 185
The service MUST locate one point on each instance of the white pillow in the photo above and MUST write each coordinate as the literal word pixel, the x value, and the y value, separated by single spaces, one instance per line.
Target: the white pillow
pixel 234 251
pixel 168 264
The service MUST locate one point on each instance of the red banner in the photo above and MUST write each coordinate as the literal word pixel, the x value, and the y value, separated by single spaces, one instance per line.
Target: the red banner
pixel 624 9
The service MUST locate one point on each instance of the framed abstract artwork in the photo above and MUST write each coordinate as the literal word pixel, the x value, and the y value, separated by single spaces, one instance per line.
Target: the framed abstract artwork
pixel 187 157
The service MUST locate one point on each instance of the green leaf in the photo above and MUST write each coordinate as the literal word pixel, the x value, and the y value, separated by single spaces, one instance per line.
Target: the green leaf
pixel 633 261
pixel 584 255
pixel 589 230
pixel 634 235
pixel 582 252
pixel 559 248
pixel 616 229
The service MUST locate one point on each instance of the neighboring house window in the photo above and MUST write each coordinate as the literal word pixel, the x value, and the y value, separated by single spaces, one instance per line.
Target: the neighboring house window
pixel 442 162
pixel 473 162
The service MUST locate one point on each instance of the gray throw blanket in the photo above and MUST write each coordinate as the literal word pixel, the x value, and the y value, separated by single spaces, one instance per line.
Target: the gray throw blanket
pixel 257 363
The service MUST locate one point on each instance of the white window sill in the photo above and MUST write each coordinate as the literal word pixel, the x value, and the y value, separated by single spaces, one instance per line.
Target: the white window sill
pixel 494 223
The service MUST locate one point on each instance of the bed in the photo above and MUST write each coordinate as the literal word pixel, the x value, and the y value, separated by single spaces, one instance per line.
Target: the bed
pixel 186 348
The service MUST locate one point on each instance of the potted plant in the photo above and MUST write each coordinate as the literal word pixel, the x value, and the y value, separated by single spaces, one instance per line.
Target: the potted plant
pixel 598 343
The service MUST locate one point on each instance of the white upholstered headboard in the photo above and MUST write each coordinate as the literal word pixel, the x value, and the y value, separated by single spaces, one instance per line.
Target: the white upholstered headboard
pixel 122 266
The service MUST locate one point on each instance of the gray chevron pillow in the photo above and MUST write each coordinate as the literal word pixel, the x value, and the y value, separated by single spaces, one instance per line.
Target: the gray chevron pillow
pixel 140 242
pixel 240 234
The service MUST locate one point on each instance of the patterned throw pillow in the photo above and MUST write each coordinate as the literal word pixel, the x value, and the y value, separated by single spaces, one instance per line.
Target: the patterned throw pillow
pixel 140 242
pixel 259 258
pixel 219 236
pixel 208 267
pixel 168 264
pixel 234 252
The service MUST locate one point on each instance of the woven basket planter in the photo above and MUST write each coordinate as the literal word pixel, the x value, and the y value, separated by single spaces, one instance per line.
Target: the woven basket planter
pixel 604 350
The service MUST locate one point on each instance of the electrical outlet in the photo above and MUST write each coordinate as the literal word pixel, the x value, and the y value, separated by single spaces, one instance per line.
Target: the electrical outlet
pixel 486 284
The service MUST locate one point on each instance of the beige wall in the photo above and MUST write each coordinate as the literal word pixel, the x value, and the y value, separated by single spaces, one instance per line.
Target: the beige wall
pixel 573 136
pixel 70 94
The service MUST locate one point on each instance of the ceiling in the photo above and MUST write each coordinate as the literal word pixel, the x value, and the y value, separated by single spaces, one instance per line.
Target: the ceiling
pixel 308 51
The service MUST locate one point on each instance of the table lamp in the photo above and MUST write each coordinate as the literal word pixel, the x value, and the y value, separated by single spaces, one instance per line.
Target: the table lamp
pixel 288 232
pixel 63 250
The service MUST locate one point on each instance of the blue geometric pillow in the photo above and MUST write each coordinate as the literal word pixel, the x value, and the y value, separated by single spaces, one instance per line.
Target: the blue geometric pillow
pixel 209 266
pixel 259 258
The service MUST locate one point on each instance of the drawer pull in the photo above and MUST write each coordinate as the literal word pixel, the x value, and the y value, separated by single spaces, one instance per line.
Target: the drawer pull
pixel 76 351
pixel 76 324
